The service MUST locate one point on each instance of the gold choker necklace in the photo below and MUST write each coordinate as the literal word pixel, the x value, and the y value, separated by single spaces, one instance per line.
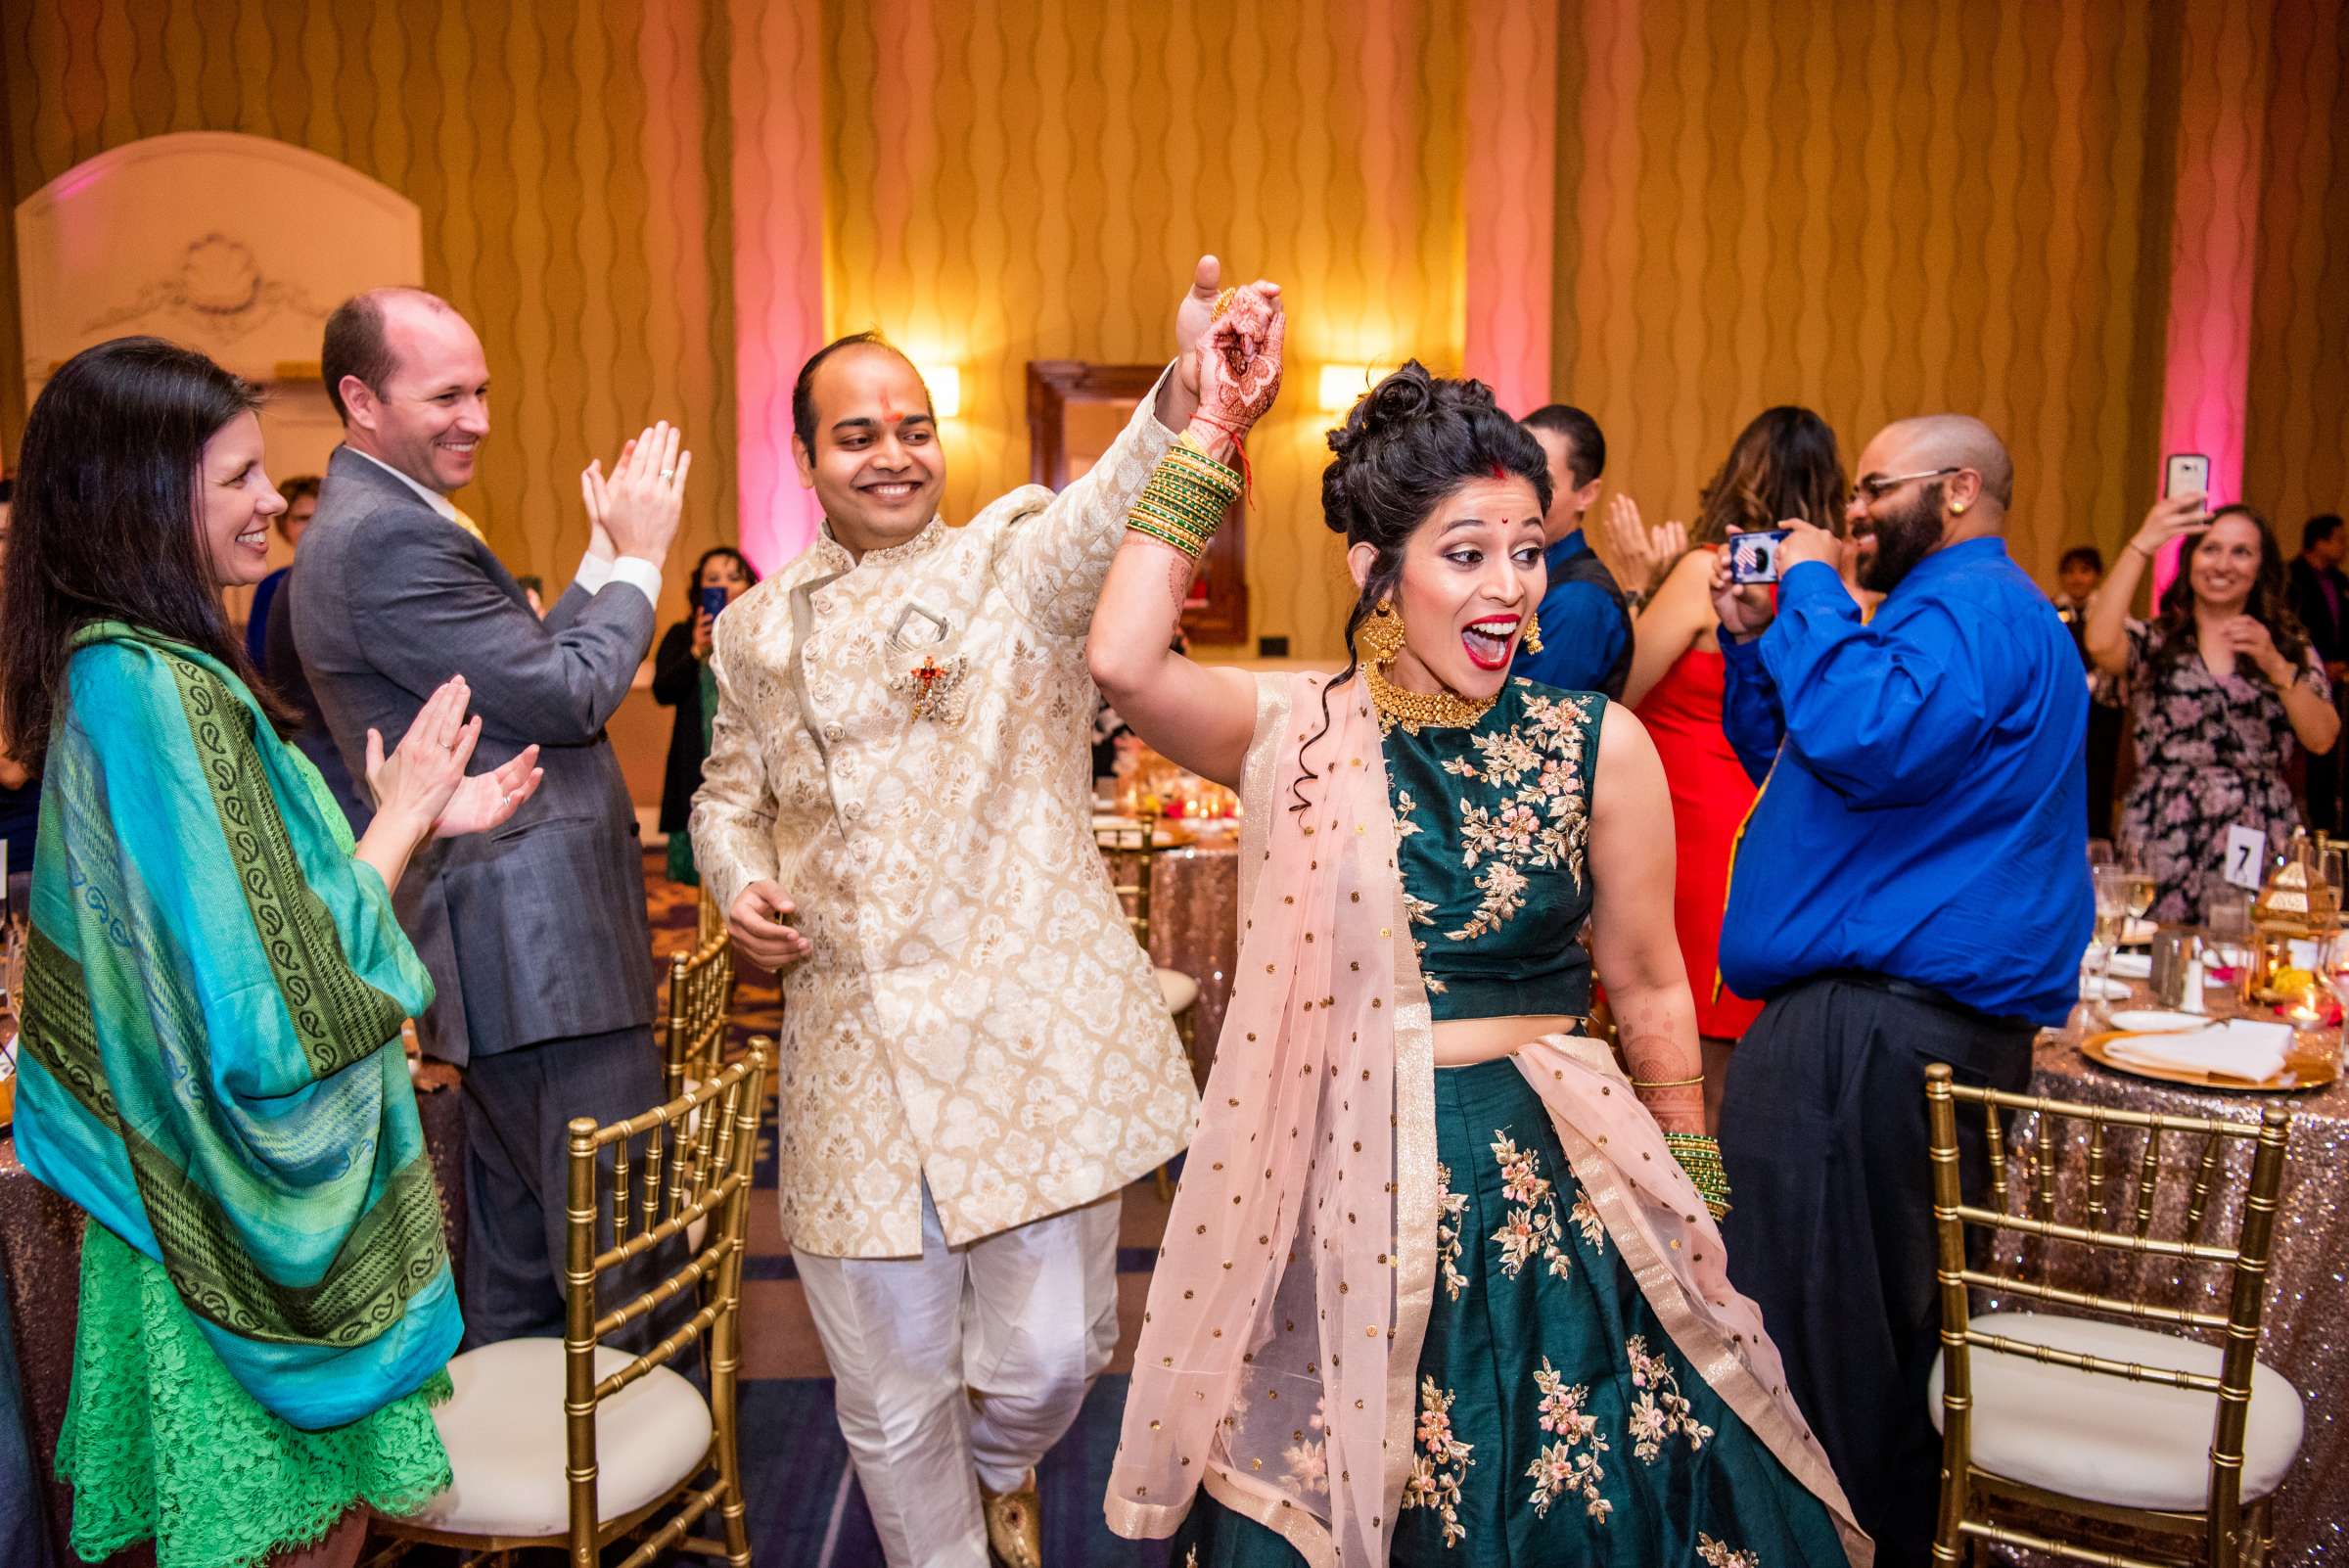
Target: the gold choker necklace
pixel 1440 710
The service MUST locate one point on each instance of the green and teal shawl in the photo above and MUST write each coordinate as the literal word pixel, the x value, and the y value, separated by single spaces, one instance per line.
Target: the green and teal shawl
pixel 213 999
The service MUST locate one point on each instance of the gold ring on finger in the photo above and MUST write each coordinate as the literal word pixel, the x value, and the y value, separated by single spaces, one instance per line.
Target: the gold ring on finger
pixel 1223 303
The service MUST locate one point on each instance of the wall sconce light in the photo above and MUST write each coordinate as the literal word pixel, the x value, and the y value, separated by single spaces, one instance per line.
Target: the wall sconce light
pixel 1342 386
pixel 946 389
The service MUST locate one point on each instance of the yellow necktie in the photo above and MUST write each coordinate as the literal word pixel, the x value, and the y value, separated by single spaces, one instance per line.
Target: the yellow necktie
pixel 466 524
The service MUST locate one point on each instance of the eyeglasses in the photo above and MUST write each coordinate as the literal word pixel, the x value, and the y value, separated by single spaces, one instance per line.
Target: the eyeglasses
pixel 1876 486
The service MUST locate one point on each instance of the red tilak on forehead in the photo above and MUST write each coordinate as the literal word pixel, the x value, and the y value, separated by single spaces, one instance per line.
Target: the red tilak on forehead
pixel 889 410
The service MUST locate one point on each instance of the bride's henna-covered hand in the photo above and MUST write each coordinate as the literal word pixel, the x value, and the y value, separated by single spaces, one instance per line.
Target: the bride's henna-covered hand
pixel 1240 374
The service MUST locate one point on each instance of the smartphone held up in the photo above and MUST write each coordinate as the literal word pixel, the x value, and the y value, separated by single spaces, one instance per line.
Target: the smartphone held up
pixel 2186 473
pixel 1754 557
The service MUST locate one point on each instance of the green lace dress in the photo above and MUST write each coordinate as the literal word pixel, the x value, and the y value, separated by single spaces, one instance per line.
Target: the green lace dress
pixel 1557 1422
pixel 160 1442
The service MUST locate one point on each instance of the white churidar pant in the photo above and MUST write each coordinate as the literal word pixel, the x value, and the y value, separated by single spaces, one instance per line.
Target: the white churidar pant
pixel 963 1366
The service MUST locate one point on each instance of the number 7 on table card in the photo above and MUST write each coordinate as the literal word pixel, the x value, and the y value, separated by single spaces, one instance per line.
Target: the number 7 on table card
pixel 2247 857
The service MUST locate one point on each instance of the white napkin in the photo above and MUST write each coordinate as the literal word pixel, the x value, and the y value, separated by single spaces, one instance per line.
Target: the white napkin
pixel 2133 966
pixel 2237 1048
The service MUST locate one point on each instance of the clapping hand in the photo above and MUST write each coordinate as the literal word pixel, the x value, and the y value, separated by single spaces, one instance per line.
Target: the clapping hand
pixel 635 510
pixel 423 781
pixel 1645 554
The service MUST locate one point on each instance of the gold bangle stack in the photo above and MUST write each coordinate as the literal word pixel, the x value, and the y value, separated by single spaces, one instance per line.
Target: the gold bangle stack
pixel 1700 1157
pixel 1184 502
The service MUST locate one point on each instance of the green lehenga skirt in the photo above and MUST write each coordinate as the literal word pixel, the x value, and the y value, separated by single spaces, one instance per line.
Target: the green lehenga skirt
pixel 1557 1422
pixel 160 1441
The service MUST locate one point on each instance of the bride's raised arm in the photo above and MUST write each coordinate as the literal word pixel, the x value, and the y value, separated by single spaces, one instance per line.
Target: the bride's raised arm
pixel 1200 719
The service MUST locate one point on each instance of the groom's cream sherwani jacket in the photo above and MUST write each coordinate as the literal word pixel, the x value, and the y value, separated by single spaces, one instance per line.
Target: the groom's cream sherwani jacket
pixel 903 743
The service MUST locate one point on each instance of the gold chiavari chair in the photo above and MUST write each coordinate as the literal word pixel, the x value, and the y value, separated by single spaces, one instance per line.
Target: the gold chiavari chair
pixel 2139 1440
pixel 709 920
pixel 701 1000
pixel 1130 850
pixel 575 1445
pixel 1127 849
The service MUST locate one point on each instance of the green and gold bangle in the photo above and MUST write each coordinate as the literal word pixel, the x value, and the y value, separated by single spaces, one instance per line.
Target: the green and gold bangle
pixel 1700 1157
pixel 1186 498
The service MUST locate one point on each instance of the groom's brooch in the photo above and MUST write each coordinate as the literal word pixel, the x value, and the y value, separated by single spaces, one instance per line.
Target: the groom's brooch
pixel 937 691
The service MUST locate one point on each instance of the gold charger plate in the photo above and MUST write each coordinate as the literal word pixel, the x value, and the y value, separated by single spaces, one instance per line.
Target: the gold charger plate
pixel 2304 1069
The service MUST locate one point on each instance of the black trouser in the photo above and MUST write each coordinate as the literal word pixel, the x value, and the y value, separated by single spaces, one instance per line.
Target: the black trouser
pixel 1825 1137
pixel 517 1173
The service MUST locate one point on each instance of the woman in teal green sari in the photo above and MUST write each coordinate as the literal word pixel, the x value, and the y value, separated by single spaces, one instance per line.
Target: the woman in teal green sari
pixel 213 992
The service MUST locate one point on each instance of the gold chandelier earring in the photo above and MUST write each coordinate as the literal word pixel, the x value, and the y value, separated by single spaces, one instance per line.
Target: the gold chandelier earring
pixel 1533 632
pixel 1380 635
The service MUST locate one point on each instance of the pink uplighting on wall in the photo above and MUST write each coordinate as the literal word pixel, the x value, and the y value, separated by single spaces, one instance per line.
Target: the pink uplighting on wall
pixel 778 194
pixel 1512 167
pixel 2213 245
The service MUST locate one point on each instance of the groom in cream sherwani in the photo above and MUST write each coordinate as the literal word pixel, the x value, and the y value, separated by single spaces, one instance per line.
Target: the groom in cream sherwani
pixel 896 814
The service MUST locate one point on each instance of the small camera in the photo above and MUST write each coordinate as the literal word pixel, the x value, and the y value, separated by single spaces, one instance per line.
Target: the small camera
pixel 1754 557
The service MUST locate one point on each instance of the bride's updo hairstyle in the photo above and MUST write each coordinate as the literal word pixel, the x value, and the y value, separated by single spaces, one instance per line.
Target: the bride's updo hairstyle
pixel 1409 442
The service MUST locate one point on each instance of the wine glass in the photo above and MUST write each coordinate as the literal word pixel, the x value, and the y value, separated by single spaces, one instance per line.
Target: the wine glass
pixel 2112 889
pixel 2099 851
pixel 2226 935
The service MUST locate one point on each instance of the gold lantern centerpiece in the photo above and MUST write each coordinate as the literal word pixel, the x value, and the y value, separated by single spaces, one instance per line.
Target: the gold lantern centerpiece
pixel 2296 908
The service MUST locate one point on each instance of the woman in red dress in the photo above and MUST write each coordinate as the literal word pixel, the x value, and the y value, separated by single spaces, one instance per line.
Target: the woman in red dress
pixel 1784 464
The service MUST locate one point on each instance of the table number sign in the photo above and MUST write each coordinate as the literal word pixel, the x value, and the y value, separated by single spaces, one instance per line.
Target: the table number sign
pixel 2247 857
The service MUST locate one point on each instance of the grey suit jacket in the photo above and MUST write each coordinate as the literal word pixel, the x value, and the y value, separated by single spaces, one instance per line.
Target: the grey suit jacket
pixel 535 931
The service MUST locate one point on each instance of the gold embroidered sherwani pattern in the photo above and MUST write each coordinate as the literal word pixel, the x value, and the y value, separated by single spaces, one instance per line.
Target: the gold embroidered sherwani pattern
pixel 901 744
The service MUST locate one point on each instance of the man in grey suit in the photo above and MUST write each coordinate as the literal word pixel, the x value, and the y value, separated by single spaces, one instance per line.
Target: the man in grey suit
pixel 535 935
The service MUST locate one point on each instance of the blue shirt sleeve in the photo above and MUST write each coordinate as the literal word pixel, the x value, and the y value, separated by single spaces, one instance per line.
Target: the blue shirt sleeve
pixel 1882 714
pixel 1583 635
pixel 1749 707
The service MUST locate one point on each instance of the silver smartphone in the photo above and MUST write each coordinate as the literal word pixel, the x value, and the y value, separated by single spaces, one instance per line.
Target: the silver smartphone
pixel 2185 474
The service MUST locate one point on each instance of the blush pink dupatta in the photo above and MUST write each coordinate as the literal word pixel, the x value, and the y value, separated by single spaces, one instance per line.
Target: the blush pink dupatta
pixel 1281 1345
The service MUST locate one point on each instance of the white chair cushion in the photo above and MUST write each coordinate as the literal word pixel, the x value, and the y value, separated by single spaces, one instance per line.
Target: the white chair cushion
pixel 2107 1438
pixel 504 1434
pixel 1177 989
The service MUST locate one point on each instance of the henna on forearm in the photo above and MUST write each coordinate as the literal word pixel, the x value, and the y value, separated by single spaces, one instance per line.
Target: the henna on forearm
pixel 1661 1049
pixel 1179 571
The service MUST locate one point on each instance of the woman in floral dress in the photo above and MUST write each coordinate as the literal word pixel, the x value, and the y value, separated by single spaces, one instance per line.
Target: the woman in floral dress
pixel 2222 684
pixel 1437 1286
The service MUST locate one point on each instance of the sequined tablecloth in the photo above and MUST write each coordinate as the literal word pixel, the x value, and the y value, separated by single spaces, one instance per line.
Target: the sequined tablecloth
pixel 2305 1333
pixel 40 1267
pixel 1195 928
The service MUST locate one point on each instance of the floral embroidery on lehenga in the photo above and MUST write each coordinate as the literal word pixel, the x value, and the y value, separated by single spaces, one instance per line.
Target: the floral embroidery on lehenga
pixel 1308 1457
pixel 1567 1465
pixel 1447 1232
pixel 1661 1412
pixel 1545 823
pixel 1531 1228
pixel 1719 1554
pixel 1542 820
pixel 1443 1459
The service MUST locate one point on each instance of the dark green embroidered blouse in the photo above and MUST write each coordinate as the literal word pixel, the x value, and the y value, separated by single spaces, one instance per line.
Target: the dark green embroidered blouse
pixel 1492 820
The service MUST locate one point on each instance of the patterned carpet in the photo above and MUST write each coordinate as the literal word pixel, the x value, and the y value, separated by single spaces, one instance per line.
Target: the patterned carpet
pixel 806 1510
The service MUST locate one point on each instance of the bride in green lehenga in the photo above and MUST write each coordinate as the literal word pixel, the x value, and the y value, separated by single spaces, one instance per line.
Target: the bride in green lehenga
pixel 1440 1284
pixel 214 991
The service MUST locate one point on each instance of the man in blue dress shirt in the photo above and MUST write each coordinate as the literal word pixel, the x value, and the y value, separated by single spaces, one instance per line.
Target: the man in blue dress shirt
pixel 1910 888
pixel 1585 622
